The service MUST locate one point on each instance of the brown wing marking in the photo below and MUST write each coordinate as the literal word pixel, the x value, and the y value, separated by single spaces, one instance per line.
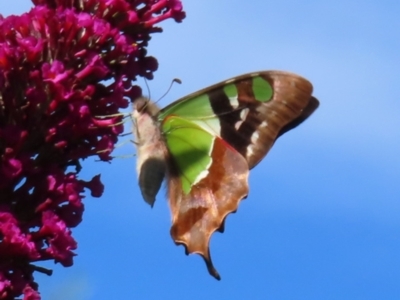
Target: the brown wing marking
pixel 197 215
pixel 291 104
pixel 253 127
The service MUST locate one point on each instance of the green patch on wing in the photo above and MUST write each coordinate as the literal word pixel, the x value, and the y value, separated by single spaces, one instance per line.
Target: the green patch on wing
pixel 196 109
pixel 190 147
pixel 231 90
pixel 190 108
pixel 262 89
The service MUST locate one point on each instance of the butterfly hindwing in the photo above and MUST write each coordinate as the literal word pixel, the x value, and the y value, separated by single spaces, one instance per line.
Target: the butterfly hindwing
pixel 207 179
pixel 214 193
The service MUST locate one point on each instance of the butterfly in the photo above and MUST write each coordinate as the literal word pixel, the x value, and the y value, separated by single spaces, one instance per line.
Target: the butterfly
pixel 204 145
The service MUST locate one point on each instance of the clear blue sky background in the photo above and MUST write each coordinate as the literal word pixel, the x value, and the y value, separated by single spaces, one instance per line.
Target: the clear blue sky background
pixel 322 218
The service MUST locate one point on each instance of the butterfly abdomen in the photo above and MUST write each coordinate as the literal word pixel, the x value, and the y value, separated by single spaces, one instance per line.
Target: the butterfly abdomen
pixel 151 149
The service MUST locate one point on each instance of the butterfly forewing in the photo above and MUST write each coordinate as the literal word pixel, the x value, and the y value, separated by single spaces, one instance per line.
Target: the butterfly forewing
pixel 250 111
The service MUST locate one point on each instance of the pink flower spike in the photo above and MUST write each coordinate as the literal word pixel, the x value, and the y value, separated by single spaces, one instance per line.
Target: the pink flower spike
pixel 62 65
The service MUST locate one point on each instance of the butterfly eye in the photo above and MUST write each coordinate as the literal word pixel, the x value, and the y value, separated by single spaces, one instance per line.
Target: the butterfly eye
pixel 140 104
pixel 143 105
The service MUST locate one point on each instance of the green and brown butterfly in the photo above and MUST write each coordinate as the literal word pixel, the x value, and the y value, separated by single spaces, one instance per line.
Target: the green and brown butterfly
pixel 204 145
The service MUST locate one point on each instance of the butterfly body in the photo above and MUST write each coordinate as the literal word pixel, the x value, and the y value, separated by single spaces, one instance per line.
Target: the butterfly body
pixel 206 143
pixel 151 149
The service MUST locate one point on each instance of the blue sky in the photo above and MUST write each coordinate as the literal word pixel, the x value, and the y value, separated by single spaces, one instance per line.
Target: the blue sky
pixel 322 218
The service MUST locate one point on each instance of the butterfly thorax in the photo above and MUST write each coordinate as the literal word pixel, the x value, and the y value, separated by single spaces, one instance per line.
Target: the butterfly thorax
pixel 151 149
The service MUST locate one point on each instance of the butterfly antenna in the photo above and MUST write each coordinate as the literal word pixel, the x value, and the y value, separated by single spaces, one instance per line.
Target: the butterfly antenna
pixel 177 80
pixel 149 93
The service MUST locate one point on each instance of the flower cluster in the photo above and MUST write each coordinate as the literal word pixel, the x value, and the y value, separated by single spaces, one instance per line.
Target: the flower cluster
pixel 62 66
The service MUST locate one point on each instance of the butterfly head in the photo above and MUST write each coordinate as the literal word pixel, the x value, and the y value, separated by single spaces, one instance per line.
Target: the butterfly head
pixel 143 106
